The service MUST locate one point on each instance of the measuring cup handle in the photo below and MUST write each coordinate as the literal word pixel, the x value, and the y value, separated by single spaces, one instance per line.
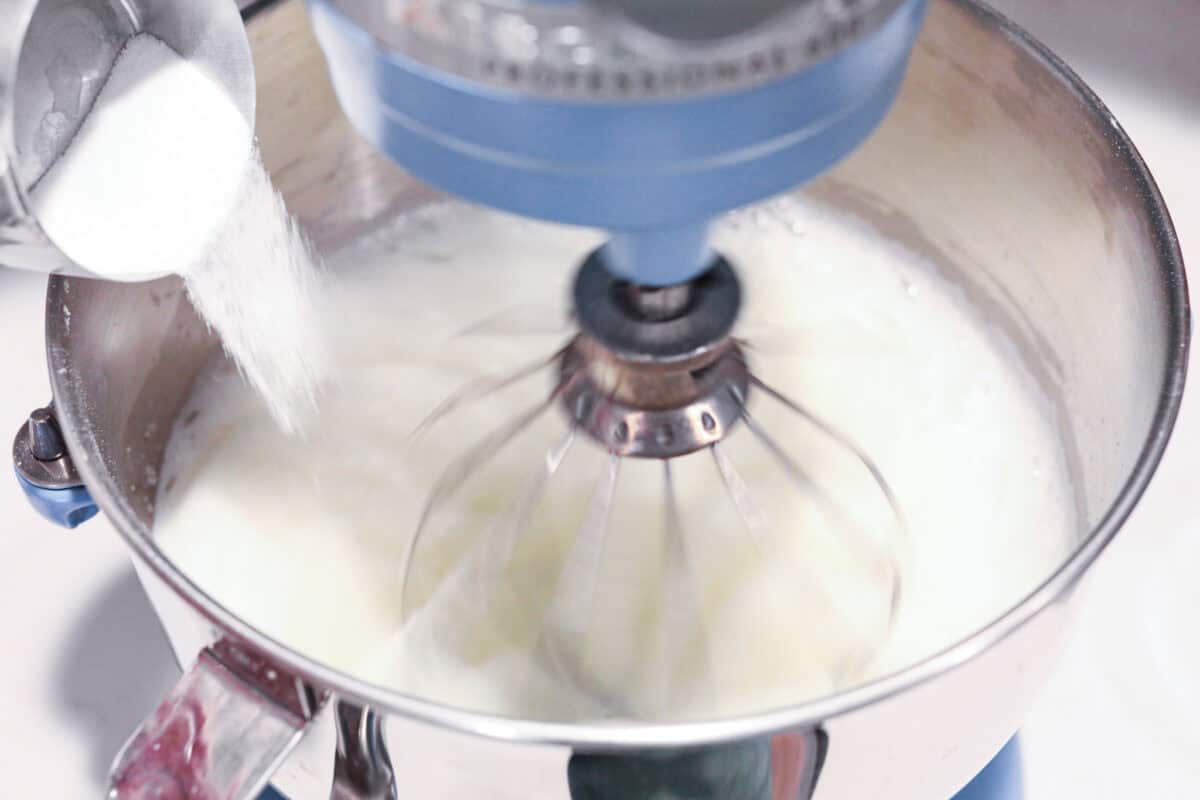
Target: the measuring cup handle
pixel 220 733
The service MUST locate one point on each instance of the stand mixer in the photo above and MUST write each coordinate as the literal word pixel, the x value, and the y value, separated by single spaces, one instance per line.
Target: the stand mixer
pixel 645 120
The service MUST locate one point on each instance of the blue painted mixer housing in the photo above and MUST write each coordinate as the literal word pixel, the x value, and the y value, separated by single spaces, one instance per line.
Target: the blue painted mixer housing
pixel 582 112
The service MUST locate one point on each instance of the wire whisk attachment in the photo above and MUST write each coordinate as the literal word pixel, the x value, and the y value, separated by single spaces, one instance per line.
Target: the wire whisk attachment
pixel 660 534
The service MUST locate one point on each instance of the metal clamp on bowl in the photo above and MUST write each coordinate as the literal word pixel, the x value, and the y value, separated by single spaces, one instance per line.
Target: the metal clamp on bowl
pixel 46 473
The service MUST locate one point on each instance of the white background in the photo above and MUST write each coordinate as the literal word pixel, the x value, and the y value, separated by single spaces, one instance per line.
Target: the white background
pixel 84 659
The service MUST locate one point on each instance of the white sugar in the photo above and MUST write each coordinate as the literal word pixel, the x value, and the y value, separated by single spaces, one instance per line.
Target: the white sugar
pixel 257 286
pixel 152 171
pixel 162 178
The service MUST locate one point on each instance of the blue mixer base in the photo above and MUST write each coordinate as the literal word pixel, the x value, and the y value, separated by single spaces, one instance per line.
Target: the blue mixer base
pixel 1001 779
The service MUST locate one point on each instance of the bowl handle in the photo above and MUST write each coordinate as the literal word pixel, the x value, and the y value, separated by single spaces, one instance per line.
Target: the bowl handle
pixel 220 733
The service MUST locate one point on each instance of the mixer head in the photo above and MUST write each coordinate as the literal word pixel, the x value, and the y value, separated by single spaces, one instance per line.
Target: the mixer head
pixel 646 119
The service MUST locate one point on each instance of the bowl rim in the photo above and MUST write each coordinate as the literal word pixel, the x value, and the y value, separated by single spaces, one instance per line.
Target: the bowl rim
pixel 650 736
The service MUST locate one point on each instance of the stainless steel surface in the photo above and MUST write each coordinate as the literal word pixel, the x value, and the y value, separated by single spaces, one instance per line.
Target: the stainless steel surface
pixel 660 303
pixel 363 770
pixel 658 411
pixel 55 56
pixel 654 373
pixel 39 453
pixel 226 726
pixel 45 441
pixel 601 307
pixel 997 165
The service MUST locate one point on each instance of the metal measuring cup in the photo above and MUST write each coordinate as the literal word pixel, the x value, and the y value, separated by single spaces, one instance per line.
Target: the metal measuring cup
pixel 54 58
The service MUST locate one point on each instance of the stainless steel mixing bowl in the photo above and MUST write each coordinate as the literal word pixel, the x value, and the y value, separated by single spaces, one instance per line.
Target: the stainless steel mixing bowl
pixel 997 165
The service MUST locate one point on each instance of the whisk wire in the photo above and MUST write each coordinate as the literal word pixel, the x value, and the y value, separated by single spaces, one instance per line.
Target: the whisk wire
pixel 497 549
pixel 841 438
pixel 574 595
pixel 462 468
pixel 502 546
pixel 483 387
pixel 752 517
pixel 575 590
pixel 680 626
pixel 755 522
pixel 863 540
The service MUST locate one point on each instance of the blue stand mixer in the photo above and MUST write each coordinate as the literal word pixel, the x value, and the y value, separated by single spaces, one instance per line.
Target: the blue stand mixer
pixel 646 119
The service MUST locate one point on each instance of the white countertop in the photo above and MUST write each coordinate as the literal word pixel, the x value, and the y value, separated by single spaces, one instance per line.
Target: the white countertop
pixel 85 659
